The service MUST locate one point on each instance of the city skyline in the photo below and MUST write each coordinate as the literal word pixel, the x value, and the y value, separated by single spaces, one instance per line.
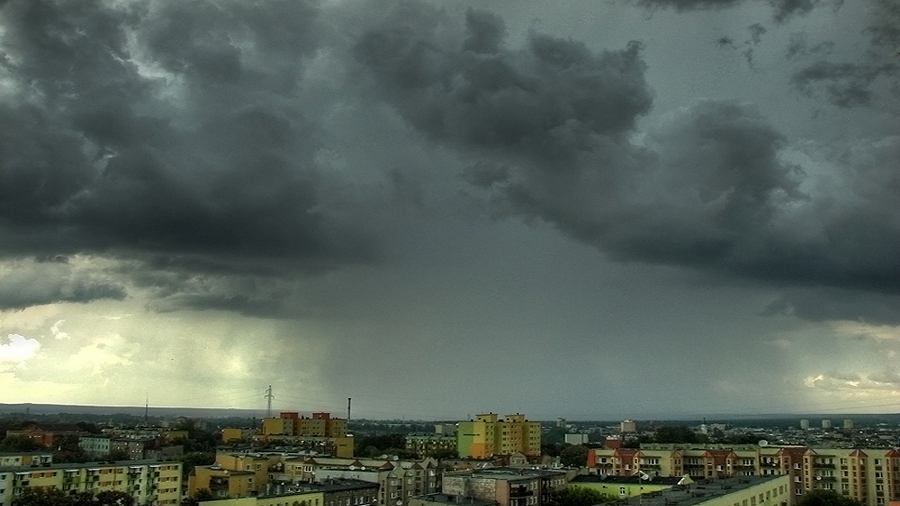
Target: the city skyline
pixel 626 207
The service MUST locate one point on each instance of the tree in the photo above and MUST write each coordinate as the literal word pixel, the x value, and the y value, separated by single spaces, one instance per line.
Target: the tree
pixel 19 444
pixel 194 459
pixel 574 456
pixel 675 434
pixel 442 454
pixel 577 496
pixel 118 454
pixel 42 497
pixel 827 498
pixel 114 498
pixel 203 494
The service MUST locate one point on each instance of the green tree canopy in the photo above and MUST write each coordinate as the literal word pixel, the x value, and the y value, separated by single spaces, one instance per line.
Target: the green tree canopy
pixel 676 434
pixel 19 444
pixel 201 495
pixel 578 496
pixel 827 498
pixel 114 498
pixel 42 497
pixel 574 456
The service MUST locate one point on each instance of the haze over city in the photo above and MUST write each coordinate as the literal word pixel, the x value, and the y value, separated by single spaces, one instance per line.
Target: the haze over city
pixel 591 209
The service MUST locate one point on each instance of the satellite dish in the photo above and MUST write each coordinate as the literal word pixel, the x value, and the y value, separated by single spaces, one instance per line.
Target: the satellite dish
pixel 352 467
pixel 763 442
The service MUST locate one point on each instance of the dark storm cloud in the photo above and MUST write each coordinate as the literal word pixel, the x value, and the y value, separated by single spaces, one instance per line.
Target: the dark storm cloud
pixel 548 124
pixel 799 46
pixel 40 284
pixel 176 137
pixel 782 10
pixel 544 100
pixel 854 83
pixel 828 304
pixel 843 84
pixel 756 32
pixel 169 128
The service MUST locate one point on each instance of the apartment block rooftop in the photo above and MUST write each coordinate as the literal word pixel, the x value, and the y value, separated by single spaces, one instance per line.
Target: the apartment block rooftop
pixel 449 500
pixel 89 465
pixel 702 491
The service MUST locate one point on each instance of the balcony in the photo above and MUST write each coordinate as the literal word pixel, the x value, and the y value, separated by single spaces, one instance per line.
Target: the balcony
pixel 520 492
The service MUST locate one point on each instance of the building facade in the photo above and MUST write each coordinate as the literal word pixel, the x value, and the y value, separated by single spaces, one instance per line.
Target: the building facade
pixel 245 475
pixel 868 475
pixel 745 491
pixel 148 482
pixel 505 486
pixel 487 436
pixel 320 432
pixel 427 445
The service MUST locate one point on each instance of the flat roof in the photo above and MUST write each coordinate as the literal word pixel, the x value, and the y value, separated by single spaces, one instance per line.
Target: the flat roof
pixel 329 485
pixel 507 473
pixel 624 480
pixel 700 491
pixel 452 499
pixel 82 465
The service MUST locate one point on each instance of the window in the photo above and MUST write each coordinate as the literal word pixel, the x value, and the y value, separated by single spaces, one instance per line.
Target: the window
pixel 621 490
pixel 798 491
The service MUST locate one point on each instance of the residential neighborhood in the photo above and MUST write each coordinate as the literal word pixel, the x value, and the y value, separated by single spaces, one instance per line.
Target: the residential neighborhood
pixel 317 459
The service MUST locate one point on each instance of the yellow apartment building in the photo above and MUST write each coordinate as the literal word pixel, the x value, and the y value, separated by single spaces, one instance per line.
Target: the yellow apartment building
pixel 149 482
pixel 12 459
pixel 488 435
pixel 320 432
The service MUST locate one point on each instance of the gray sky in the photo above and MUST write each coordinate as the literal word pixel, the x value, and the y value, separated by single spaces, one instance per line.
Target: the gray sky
pixel 604 209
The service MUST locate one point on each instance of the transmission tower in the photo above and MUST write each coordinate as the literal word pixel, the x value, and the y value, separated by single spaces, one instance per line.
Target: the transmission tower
pixel 269 398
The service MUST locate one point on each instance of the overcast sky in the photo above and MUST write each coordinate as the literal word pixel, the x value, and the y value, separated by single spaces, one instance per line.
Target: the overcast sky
pixel 591 209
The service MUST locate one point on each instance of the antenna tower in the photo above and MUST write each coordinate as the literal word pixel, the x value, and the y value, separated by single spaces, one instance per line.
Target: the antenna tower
pixel 269 398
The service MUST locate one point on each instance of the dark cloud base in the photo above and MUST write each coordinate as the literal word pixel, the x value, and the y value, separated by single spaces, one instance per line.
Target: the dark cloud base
pixel 177 138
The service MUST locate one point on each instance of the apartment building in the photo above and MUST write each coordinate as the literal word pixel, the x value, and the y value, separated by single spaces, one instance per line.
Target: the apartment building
pixel 868 475
pixel 487 436
pixel 290 423
pixel 330 493
pixel 320 432
pixel 398 480
pixel 427 445
pixel 743 491
pixel 14 459
pixel 149 482
pixel 245 475
pixel 161 434
pixel 505 486
pixel 95 446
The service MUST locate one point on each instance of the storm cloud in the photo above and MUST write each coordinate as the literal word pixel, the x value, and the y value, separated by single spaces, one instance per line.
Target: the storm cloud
pixel 180 136
pixel 549 126
pixel 782 10
pixel 209 193
pixel 172 128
